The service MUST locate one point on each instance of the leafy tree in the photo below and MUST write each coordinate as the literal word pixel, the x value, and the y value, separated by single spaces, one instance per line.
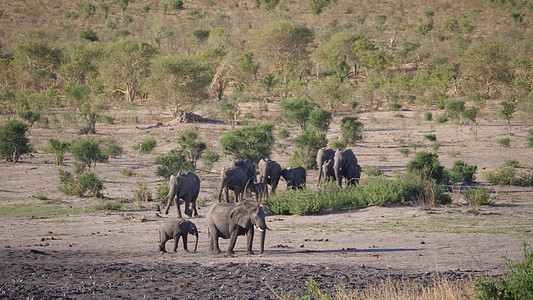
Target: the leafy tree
pixel 318 5
pixel 125 64
pixel 330 92
pixel 13 140
pixel 351 130
pixel 454 108
pixel 252 142
pixel 487 64
pixel 182 81
pixel 32 57
pixel 189 142
pixel 307 145
pixel 80 63
pixel 337 53
pixel 173 162
pixel 471 115
pixel 280 42
pixel 297 111
pixel 87 153
pixel 320 119
pixel 369 56
pixel 230 108
pixel 507 111
pixel 235 69
pixel 78 96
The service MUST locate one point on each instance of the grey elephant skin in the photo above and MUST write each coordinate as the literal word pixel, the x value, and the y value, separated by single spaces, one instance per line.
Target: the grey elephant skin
pixel 186 187
pixel 174 229
pixel 346 167
pixel 328 170
pixel 269 173
pixel 234 179
pixel 295 177
pixel 321 156
pixel 229 220
pixel 247 166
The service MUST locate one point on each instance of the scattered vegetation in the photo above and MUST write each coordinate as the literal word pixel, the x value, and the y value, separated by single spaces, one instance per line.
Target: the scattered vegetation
pixel 509 175
pixel 146 145
pixel 128 172
pixel 462 172
pixel 504 142
pixel 13 141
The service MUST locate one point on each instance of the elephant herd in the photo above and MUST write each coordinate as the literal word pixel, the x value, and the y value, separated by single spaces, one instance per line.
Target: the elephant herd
pixel 229 220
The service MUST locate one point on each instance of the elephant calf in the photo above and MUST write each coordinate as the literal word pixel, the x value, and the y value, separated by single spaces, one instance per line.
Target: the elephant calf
pixel 174 229
pixel 295 177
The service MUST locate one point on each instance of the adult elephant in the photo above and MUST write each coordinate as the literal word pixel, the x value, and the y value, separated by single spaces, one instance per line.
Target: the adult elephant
pixel 321 156
pixel 247 166
pixel 346 166
pixel 186 187
pixel 229 220
pixel 328 170
pixel 234 179
pixel 269 173
pixel 295 177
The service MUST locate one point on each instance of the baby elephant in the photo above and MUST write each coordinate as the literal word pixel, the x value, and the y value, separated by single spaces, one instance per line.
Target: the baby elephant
pixel 174 229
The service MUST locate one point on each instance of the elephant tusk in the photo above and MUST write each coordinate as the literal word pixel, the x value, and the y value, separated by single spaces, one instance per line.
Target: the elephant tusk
pixel 260 229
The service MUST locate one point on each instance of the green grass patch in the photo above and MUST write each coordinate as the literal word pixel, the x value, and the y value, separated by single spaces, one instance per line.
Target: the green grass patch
pixel 42 210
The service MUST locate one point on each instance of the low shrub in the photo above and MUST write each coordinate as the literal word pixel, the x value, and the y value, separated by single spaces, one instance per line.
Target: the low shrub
pixel 529 139
pixel 109 205
pixel 515 283
pixel 462 171
pixel 404 151
pixel 477 196
pixel 427 166
pixel 146 146
pixel 113 149
pixel 209 158
pixel 142 195
pixel 505 142
pixel 512 163
pixel 80 185
pixel 128 172
pixel 430 137
pixel 428 116
pixel 58 149
pixel 283 133
pixel 373 171
pixel 442 119
pixel 503 175
pixel 162 193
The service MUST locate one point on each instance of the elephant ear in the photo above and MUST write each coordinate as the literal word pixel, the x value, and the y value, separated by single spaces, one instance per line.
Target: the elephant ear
pixel 239 216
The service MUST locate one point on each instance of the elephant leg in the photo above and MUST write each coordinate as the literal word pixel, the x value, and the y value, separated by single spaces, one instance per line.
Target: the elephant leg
pixel 227 194
pixel 213 243
pixel 162 245
pixel 249 241
pixel 195 212
pixel 185 242
pixel 178 207
pixel 187 202
pixel 176 241
pixel 232 241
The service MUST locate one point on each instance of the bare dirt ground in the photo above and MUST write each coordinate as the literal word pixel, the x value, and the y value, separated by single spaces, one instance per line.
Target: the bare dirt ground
pixel 111 255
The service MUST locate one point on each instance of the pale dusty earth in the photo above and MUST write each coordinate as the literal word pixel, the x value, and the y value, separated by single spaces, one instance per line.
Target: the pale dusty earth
pixel 100 254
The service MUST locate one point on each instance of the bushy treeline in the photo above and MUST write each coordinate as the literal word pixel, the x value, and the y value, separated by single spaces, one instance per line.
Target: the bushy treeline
pixel 135 52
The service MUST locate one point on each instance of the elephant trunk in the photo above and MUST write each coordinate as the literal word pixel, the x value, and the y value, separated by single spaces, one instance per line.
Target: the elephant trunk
pixel 196 243
pixel 171 193
pixel 336 168
pixel 319 173
pixel 222 184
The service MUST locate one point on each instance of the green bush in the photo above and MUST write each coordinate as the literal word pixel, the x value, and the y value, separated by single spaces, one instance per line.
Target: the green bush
pixel 109 206
pixel 373 171
pixel 351 130
pixel 176 4
pixel 512 163
pixel 428 116
pixel 529 139
pixel 173 162
pixel 87 153
pixel 505 142
pixel 442 119
pixel 29 115
pixel 283 133
pixel 477 196
pixel 201 34
pixel 297 111
pixel 146 146
pixel 252 142
pixel 113 149
pixel 307 145
pixel 162 193
pixel 80 185
pixel 404 151
pixel 503 175
pixel 338 144
pixel 128 172
pixel 426 166
pixel 209 158
pixel 146 8
pixel 89 35
pixel 318 5
pixel 58 149
pixel 320 119
pixel 13 140
pixel 515 283
pixel 462 171
pixel 395 107
pixel 430 137
pixel 194 148
pixel 142 195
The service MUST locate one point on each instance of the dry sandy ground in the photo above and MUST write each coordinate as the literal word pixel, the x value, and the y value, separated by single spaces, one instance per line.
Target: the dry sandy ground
pixel 111 255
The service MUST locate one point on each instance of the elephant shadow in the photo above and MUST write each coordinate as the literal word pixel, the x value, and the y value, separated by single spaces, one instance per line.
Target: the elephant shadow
pixel 349 250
